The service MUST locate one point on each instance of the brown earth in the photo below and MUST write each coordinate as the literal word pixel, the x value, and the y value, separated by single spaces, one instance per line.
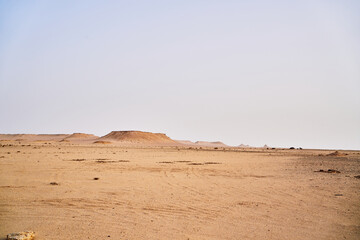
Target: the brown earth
pixel 90 191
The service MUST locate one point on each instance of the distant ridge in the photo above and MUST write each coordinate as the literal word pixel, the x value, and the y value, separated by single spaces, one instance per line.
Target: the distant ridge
pixel 131 137
pixel 202 143
pixel 138 137
pixel 244 146
pixel 211 144
pixel 185 142
pixel 80 136
pixel 33 137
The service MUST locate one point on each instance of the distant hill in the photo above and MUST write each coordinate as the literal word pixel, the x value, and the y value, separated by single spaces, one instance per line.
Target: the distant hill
pixel 80 136
pixel 185 142
pixel 244 146
pixel 211 144
pixel 202 143
pixel 138 137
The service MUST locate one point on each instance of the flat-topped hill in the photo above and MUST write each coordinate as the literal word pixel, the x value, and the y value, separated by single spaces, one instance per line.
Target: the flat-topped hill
pixel 138 137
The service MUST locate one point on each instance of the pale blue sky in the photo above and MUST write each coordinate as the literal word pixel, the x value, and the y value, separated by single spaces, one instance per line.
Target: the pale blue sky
pixel 282 73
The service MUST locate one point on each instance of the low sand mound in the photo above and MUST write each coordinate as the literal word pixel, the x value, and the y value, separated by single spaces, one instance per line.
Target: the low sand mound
pixel 102 142
pixel 81 136
pixel 211 144
pixel 138 137
pixel 336 154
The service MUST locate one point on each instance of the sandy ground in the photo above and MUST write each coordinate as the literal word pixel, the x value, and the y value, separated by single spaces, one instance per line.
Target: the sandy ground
pixel 171 193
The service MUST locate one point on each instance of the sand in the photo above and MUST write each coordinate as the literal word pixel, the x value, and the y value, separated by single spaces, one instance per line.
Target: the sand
pixel 64 190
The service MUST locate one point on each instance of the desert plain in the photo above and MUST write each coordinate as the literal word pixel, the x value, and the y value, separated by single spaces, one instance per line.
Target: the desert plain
pixel 89 188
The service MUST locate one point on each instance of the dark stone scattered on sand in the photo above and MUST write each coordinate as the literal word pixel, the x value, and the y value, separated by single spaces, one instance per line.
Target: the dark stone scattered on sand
pixel 78 159
pixel 358 176
pixel 54 183
pixel 96 178
pixel 338 195
pixel 105 161
pixel 328 171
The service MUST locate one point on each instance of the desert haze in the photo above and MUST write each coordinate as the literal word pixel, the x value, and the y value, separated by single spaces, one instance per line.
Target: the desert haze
pixel 140 185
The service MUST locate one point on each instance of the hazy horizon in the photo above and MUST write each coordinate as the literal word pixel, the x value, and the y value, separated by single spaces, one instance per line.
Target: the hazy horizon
pixel 242 72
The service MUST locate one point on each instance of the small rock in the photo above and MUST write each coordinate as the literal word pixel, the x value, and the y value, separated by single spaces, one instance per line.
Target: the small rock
pixel 54 183
pixel 358 176
pixel 21 236
pixel 96 178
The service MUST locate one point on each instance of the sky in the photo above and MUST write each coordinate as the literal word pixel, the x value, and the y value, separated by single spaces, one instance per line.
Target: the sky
pixel 281 73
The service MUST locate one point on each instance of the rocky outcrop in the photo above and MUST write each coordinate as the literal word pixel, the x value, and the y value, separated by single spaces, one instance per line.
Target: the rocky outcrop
pixel 21 236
